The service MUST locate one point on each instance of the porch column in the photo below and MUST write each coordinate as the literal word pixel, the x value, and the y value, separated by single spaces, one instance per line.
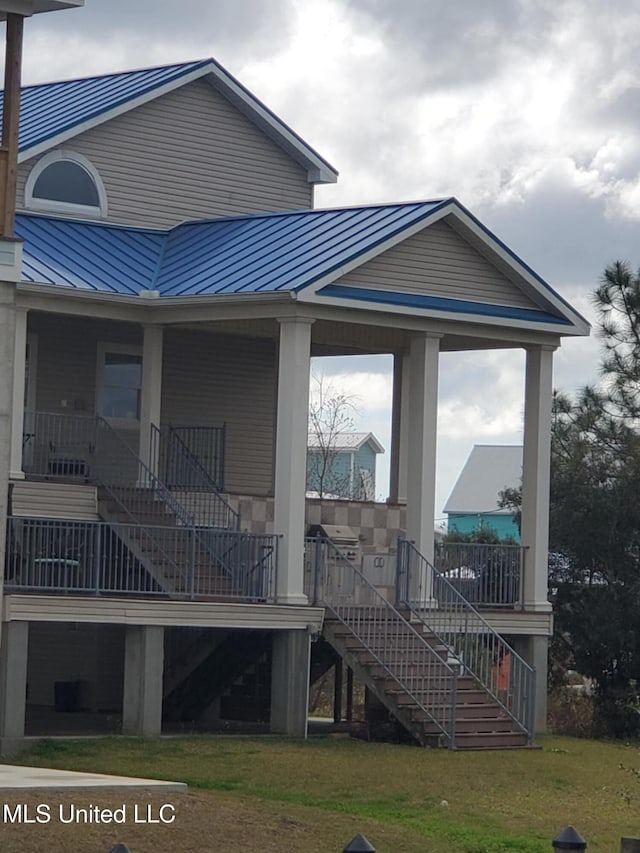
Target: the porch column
pixel 151 393
pixel 535 475
pixel 291 456
pixel 143 665
pixel 422 433
pixel 7 351
pixel 399 429
pixel 19 378
pixel 13 685
pixel 290 667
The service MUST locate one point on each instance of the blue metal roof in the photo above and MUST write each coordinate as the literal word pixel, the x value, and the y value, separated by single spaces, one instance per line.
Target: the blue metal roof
pixel 104 258
pixel 260 253
pixel 244 254
pixel 277 252
pixel 51 111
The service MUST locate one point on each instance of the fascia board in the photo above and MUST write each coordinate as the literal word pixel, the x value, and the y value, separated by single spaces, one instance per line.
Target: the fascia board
pixel 533 284
pixel 318 169
pixel 457 317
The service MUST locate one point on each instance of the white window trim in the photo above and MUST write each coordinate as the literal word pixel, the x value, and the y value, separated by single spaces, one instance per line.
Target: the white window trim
pixel 32 203
pixel 103 349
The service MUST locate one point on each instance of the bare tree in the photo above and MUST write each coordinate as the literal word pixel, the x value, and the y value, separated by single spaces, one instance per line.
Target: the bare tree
pixel 331 417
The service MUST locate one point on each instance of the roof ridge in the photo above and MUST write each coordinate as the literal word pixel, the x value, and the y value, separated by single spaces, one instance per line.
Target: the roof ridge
pixel 269 214
pixel 193 64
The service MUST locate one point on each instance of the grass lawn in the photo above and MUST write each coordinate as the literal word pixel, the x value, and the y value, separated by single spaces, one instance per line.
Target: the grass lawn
pixel 271 794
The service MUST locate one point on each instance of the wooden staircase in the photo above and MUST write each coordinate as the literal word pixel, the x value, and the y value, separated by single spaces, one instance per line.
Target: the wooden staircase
pixel 435 667
pixel 419 690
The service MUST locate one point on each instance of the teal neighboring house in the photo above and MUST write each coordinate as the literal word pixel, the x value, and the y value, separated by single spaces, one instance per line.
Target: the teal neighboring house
pixel 346 468
pixel 474 500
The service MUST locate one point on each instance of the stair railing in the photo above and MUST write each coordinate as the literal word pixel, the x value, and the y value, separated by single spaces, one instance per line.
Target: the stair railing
pixel 184 474
pixel 473 644
pixel 141 496
pixel 400 651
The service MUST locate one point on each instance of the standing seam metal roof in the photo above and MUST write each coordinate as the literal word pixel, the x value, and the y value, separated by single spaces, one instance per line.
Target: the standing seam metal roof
pixel 260 253
pixel 247 254
pixel 51 110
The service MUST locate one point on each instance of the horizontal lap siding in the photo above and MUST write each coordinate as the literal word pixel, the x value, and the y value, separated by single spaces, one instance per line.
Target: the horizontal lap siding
pixel 212 379
pixel 188 154
pixel 438 262
pixel 67 351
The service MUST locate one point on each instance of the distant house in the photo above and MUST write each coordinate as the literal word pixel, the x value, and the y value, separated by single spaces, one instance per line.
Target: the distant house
pixel 474 501
pixel 345 469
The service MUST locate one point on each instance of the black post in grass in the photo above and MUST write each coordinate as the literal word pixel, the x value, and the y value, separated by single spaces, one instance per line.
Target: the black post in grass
pixel 120 848
pixel 359 844
pixel 569 839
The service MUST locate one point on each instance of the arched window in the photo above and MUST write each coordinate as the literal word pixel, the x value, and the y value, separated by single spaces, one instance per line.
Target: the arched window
pixel 66 182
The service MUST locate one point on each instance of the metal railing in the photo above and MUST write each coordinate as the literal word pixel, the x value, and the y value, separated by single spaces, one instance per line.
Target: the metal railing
pixel 401 653
pixel 486 575
pixel 95 557
pixel 186 477
pixel 473 643
pixel 59 446
pixel 205 444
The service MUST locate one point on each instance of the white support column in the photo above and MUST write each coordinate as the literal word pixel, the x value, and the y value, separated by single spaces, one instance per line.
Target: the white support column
pixel 535 475
pixel 422 435
pixel 7 352
pixel 291 456
pixel 19 377
pixel 151 394
pixel 403 438
pixel 399 428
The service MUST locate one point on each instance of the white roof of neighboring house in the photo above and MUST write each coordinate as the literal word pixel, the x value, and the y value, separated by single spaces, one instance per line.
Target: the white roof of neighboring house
pixel 348 441
pixel 489 470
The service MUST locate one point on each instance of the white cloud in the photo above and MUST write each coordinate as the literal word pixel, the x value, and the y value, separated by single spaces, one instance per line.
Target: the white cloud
pixel 526 110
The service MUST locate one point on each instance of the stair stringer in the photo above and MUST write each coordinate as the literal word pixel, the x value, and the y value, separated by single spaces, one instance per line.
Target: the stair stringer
pixel 362 668
pixel 213 675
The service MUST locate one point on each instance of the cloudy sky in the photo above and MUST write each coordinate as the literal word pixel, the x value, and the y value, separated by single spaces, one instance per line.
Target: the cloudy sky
pixel 528 111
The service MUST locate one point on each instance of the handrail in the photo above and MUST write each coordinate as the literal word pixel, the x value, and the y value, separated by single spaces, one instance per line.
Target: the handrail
pixel 108 466
pixel 106 557
pixel 446 613
pixel 487 575
pixel 186 474
pixel 390 639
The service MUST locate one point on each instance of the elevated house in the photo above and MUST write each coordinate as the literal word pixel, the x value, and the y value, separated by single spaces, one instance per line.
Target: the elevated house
pixel 157 323
pixel 344 466
pixel 474 502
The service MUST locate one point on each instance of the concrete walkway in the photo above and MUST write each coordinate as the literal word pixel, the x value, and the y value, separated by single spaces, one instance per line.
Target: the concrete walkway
pixel 15 778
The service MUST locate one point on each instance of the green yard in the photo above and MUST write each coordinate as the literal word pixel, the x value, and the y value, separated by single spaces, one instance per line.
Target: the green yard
pixel 271 794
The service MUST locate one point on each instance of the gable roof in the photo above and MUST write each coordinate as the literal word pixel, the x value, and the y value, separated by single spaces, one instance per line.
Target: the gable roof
pixel 300 253
pixel 489 470
pixel 348 441
pixel 52 113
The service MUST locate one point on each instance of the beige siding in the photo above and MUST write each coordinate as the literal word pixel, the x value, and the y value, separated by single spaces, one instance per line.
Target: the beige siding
pixel 213 379
pixel 67 353
pixel 188 154
pixel 54 500
pixel 89 653
pixel 439 262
